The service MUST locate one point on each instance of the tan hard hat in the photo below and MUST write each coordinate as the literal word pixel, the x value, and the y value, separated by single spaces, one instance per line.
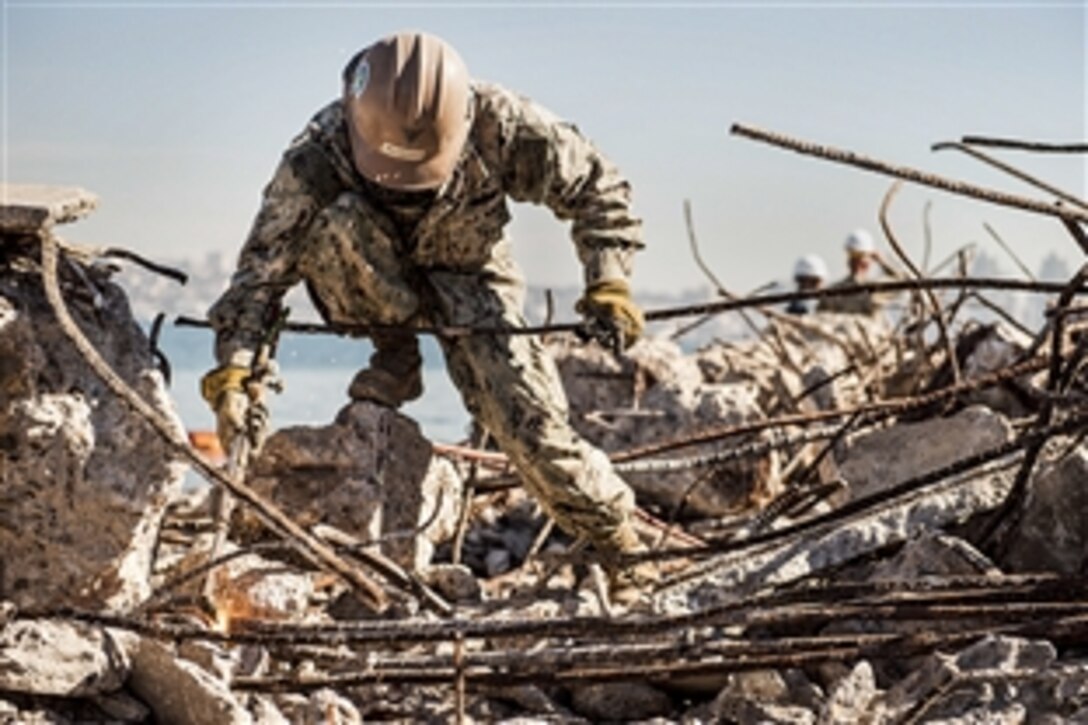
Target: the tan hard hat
pixel 407 103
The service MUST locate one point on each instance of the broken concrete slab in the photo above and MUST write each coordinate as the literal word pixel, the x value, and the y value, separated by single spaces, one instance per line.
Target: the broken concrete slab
pixel 86 482
pixel 986 349
pixel 880 459
pixel 658 393
pixel 179 691
pixel 597 380
pixel 851 698
pixel 619 701
pixel 370 473
pixel 327 705
pixel 815 353
pixel 1052 533
pixel 252 587
pixel 731 575
pixel 121 707
pixel 27 208
pixel 61 658
pixel 982 683
pixel 930 554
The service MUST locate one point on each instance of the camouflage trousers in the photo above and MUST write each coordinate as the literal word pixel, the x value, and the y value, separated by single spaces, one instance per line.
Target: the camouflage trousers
pixel 507 382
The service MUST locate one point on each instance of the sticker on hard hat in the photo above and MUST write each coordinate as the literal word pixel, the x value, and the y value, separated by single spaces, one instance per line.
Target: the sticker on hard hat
pixel 400 153
pixel 360 78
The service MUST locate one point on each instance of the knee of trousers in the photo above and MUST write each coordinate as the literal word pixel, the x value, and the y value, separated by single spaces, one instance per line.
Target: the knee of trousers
pixel 352 268
pixel 575 482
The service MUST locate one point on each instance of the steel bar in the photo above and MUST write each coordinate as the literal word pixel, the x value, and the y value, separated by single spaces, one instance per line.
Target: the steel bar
pixel 934 303
pixel 697 255
pixel 903 172
pixel 1008 250
pixel 1011 170
pixel 1020 145
pixel 669 660
pixel 668 313
pixel 930 589
pixel 886 407
pixel 872 412
pixel 1073 424
pixel 672 465
pixel 1000 312
pixel 117 253
pixel 1078 234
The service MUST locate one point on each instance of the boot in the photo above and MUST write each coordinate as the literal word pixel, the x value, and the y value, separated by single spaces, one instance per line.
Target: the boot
pixel 394 376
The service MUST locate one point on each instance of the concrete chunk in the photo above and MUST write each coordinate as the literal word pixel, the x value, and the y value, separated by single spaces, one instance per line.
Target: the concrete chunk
pixel 27 208
pixel 68 659
pixel 881 459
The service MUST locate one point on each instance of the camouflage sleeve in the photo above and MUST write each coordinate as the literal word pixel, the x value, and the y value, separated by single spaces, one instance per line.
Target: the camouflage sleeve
pixel 267 266
pixel 548 161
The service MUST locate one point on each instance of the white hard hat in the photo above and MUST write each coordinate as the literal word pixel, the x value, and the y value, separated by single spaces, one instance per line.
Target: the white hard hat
pixel 810 265
pixel 860 242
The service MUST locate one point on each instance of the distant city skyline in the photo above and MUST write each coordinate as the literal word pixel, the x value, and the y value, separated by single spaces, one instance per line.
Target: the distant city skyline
pixel 176 114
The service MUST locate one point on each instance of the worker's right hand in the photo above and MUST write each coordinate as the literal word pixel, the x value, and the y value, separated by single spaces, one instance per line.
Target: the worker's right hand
pixel 611 316
pixel 237 412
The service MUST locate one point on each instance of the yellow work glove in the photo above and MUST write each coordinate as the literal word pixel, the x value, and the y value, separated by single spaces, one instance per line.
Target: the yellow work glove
pixel 238 411
pixel 612 317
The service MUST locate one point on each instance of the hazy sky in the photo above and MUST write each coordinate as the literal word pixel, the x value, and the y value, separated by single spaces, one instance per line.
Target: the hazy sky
pixel 175 113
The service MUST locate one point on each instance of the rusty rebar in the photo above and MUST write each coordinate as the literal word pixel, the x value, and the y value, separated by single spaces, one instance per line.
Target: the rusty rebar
pixel 1021 145
pixel 1008 250
pixel 928 591
pixel 888 407
pixel 934 303
pixel 1011 171
pixel 661 660
pixel 903 172
pixel 668 313
pixel 1074 424
pixel 697 255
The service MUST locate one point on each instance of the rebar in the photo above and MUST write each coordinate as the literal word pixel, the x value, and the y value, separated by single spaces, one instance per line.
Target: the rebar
pixel 1012 171
pixel 934 303
pixel 1073 424
pixel 668 313
pixel 1021 145
pixel 886 408
pixel 919 177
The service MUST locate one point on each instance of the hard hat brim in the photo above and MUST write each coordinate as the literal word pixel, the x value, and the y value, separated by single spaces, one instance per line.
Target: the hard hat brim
pixel 405 174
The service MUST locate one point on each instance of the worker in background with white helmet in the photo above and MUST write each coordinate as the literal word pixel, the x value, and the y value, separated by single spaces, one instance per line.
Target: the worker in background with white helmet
pixel 391 207
pixel 809 273
pixel 861 255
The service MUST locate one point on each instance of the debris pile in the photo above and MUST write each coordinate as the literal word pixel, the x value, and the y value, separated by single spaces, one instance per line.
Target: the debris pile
pixel 85 484
pixel 852 521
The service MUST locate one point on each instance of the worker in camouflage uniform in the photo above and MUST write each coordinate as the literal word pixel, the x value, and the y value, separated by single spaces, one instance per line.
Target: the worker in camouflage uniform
pixel 861 256
pixel 391 208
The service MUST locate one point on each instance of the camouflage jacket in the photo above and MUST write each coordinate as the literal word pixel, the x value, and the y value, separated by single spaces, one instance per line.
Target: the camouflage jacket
pixel 516 149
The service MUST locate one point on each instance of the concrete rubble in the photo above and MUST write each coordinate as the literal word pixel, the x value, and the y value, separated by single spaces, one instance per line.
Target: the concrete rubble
pixel 84 483
pixel 903 565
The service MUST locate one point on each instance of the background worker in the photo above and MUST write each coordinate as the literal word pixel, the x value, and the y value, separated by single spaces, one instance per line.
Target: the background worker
pixel 809 273
pixel 391 207
pixel 861 256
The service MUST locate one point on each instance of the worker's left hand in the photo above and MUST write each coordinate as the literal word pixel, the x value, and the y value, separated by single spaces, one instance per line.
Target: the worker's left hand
pixel 236 398
pixel 611 316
